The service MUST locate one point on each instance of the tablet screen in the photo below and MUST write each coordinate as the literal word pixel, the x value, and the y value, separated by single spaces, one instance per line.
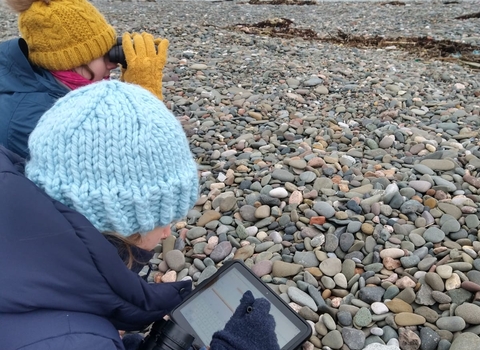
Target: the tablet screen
pixel 210 308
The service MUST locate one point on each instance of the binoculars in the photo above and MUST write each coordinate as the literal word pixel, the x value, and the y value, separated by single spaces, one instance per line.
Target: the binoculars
pixel 166 335
pixel 116 54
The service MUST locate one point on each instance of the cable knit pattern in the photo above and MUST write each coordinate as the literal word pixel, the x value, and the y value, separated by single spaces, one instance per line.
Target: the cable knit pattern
pixel 115 153
pixel 65 34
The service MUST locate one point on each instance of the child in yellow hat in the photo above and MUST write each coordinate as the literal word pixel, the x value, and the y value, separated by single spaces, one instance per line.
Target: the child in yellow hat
pixel 64 45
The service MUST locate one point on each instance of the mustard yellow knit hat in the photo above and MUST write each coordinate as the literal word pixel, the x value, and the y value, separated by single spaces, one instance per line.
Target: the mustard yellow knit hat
pixel 63 34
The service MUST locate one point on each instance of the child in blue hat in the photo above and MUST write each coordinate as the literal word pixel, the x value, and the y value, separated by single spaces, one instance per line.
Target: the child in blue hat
pixel 109 163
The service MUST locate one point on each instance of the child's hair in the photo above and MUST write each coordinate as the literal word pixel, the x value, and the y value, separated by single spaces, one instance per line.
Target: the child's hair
pixel 63 34
pixel 113 152
pixel 125 248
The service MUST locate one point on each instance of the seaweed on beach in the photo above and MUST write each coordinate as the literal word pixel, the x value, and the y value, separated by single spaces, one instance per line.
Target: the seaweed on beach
pixel 277 27
pixel 394 3
pixel 282 2
pixel 424 47
pixel 471 15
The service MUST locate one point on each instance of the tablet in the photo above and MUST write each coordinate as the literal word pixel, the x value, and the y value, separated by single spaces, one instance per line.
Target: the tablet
pixel 211 304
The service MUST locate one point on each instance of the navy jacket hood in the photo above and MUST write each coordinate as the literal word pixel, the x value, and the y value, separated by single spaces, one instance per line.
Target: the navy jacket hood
pixel 26 92
pixel 58 267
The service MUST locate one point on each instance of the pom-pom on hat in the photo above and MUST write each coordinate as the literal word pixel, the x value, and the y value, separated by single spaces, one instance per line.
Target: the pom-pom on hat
pixel 113 152
pixel 63 34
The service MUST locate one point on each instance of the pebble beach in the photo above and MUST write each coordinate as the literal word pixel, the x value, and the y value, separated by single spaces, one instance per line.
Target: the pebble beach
pixel 347 178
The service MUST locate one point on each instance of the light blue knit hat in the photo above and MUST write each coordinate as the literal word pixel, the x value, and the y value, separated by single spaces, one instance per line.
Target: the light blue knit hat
pixel 113 152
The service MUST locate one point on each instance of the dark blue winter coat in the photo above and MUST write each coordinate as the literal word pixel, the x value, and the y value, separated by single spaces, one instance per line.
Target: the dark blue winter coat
pixel 26 92
pixel 63 286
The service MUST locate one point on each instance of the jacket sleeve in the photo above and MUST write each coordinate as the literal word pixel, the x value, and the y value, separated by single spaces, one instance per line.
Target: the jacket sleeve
pixel 57 260
pixel 143 302
pixel 24 119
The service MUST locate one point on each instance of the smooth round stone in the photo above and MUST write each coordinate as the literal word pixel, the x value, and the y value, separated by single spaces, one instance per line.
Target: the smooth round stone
pixel 324 209
pixel 331 266
pixel 285 269
pixel 362 318
pixel 472 221
pixel 329 322
pixel 451 323
pixel 474 276
pixel 247 212
pixel 371 294
pixel 262 268
pixel 251 230
pixel 244 252
pixel 435 281
pixel 461 266
pixel 308 176
pixel 394 253
pixel 389 333
pixel 429 339
pixel 450 226
pixel 199 247
pixel 410 261
pixel 444 344
pixel 208 216
pixel 391 292
pixel 379 308
pixel 416 239
pixel 261 212
pixel 175 260
pixel 328 282
pixel 344 318
pixel 466 341
pixel 426 263
pixel 375 267
pixel 331 242
pixel 376 331
pixel 221 251
pixel 298 163
pixel 397 305
pixel 301 298
pixel 206 273
pixel 379 346
pixel 346 241
pixel 444 271
pixel 411 206
pixel 340 281
pixel 469 312
pixel 429 314
pixel 307 259
pixel 196 232
pixel 283 175
pixel 441 297
pixel 433 235
pixel 423 169
pixel 405 319
pixel 353 338
pixel 310 279
pixel 333 339
pixel 450 209
pixel 438 164
pixel 278 192
pixel 387 141
pixel 420 185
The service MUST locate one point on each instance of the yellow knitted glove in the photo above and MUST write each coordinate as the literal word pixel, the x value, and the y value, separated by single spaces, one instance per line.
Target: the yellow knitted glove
pixel 144 62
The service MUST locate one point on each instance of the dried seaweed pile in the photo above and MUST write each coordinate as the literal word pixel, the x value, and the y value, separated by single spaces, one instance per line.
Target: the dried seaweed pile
pixel 282 2
pixel 424 47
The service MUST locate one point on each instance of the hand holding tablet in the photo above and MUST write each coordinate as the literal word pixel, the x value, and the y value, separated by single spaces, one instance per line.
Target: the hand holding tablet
pixel 235 291
pixel 250 327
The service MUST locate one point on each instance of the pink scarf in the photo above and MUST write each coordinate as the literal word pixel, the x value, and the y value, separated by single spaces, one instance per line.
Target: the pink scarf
pixel 71 79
